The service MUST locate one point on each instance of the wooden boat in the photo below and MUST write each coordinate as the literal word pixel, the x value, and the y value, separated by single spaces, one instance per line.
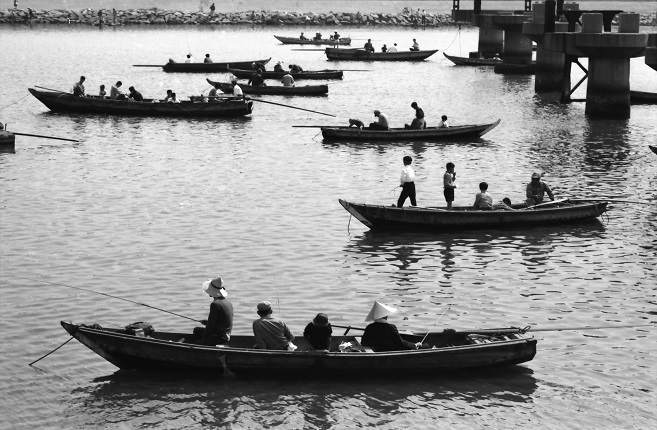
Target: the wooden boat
pixel 465 61
pixel 307 90
pixel 221 67
pixel 360 54
pixel 379 217
pixel 396 134
pixel 64 102
pixel 454 350
pixel 270 74
pixel 653 148
pixel 296 41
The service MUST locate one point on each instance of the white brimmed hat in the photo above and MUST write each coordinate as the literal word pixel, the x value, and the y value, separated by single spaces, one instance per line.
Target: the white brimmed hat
pixel 215 287
pixel 380 311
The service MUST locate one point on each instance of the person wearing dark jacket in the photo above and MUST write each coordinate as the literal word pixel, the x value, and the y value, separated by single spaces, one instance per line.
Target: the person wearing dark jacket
pixel 380 335
pixel 220 320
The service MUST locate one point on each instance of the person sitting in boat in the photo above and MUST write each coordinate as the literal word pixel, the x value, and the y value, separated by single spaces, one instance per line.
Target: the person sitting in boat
pixel 213 94
pixel 356 123
pixel 416 46
pixel 483 200
pixel 294 68
pixel 318 36
pixel 135 95
pixel 288 80
pixel 384 48
pixel 269 332
pixel 258 67
pixel 220 319
pixel 418 122
pixel 504 205
pixel 536 190
pixel 237 90
pixel 382 122
pixel 207 59
pixel 115 91
pixel 102 93
pixel 393 48
pixel 279 67
pixel 78 87
pixel 302 37
pixel 443 122
pixel 382 336
pixel 167 99
pixel 256 79
pixel 174 98
pixel 335 37
pixel 189 59
pixel 319 332
pixel 368 46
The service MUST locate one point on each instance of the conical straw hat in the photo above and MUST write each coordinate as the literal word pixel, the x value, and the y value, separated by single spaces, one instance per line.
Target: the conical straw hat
pixel 379 311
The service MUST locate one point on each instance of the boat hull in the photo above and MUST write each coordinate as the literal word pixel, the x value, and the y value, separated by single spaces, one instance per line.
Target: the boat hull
pixel 362 55
pixel 465 61
pixel 296 41
pixel 400 134
pixel 210 67
pixel 270 74
pixel 379 217
pixel 307 90
pixel 62 102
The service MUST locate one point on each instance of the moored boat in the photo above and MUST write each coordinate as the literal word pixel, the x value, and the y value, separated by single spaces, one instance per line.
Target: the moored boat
pixel 466 61
pixel 304 90
pixel 399 134
pixel 296 41
pixel 65 102
pixel 450 351
pixel 417 218
pixel 271 74
pixel 359 54
pixel 175 67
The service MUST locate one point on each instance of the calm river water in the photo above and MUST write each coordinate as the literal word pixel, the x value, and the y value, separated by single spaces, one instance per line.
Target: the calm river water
pixel 147 209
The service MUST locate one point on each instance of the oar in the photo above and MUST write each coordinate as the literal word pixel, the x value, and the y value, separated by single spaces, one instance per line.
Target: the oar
pixel 45 137
pixel 50 89
pixel 313 126
pixel 308 49
pixel 147 65
pixel 291 107
pixel 109 295
pixel 603 199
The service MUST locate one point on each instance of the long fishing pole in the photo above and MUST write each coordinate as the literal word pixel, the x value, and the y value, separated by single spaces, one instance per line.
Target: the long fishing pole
pixel 45 137
pixel 111 296
pixel 445 311
pixel 528 328
pixel 288 106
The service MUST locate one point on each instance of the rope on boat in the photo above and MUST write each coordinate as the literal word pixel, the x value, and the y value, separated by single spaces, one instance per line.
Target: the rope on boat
pixel 39 359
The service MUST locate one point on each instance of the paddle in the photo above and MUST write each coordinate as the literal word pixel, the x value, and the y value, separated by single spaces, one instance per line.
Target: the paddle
pixel 313 126
pixel 45 137
pixel 147 65
pixel 288 106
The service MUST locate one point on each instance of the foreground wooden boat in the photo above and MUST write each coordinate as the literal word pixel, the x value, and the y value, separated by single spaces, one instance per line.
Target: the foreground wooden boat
pixel 397 134
pixel 64 102
pixel 296 41
pixel 379 217
pixel 270 74
pixel 454 350
pixel 465 61
pixel 360 54
pixel 175 67
pixel 306 90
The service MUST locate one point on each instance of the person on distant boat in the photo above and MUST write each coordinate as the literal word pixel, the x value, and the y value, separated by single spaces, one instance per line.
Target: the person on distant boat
pixel 115 91
pixel 278 67
pixel 102 93
pixel 189 59
pixel 257 66
pixel 271 333
pixel 78 87
pixel 353 122
pixel 504 205
pixel 207 59
pixel 368 46
pixel 483 200
pixel 319 332
pixel 407 182
pixel 335 36
pixel 174 98
pixel 393 48
pixel 418 122
pixel 384 48
pixel 256 79
pixel 382 122
pixel 288 80
pixel 536 190
pixel 212 95
pixel 416 46
pixel 382 336
pixel 219 324
pixel 302 37
pixel 135 95
pixel 443 122
pixel 318 36
pixel 294 68
pixel 448 184
pixel 237 90
pixel 167 99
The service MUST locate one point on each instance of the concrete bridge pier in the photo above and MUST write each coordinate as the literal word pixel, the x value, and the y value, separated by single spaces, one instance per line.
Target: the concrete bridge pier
pixel 491 40
pixel 651 51
pixel 517 52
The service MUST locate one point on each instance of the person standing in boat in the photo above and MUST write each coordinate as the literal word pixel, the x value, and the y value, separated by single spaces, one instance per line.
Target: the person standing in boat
pixel 536 190
pixel 368 46
pixel 78 87
pixel 416 46
pixel 382 336
pixel 382 123
pixel 407 182
pixel 219 324
pixel 207 59
pixel 418 122
pixel 319 332
pixel 483 200
pixel 288 80
pixel 448 184
pixel 269 332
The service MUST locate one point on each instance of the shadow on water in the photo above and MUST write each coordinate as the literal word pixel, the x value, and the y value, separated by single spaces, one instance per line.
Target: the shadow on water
pixel 418 147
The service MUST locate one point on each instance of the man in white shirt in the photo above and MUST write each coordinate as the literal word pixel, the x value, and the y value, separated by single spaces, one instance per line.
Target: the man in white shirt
pixel 393 48
pixel 407 182
pixel 382 123
pixel 189 59
pixel 288 80
pixel 237 91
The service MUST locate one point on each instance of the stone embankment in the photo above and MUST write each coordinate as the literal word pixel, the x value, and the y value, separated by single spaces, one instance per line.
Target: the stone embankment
pixel 159 16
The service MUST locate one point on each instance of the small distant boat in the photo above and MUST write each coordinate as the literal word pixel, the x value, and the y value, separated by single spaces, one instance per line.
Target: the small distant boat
pixel 425 134
pixel 175 67
pixel 359 54
pixel 465 61
pixel 270 74
pixel 415 218
pixel 306 90
pixel 451 351
pixel 65 102
pixel 296 41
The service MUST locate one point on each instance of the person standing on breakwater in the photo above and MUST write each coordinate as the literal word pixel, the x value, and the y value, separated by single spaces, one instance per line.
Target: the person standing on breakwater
pixel 448 183
pixel 113 16
pixel 212 9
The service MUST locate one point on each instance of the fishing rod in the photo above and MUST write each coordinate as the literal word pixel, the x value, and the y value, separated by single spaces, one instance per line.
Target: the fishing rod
pixel 111 296
pixel 40 135
pixel 289 106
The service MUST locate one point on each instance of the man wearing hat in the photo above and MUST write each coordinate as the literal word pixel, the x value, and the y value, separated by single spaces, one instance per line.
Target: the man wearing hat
pixel 381 335
pixel 319 332
pixel 382 123
pixel 220 320
pixel 536 190
pixel 271 333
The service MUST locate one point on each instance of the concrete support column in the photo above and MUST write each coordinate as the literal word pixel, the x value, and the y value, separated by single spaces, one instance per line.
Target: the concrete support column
pixel 608 90
pixel 491 41
pixel 517 47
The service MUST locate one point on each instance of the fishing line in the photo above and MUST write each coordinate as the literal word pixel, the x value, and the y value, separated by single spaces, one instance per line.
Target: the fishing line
pixel 10 104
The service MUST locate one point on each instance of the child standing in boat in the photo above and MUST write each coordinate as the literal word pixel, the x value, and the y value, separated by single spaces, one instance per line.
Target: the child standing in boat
pixel 448 183
pixel 407 182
